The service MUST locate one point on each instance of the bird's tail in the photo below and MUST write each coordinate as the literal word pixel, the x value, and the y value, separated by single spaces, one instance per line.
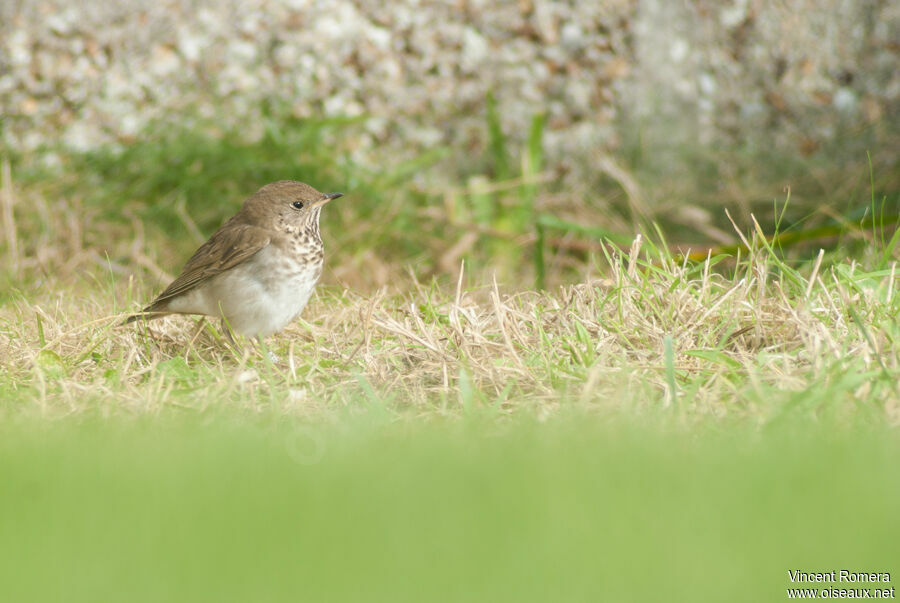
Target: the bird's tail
pixel 146 314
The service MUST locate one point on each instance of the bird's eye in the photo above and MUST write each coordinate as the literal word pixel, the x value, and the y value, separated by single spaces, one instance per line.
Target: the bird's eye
pixel 297 204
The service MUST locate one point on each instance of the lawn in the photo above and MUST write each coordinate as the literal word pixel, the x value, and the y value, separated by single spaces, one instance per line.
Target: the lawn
pixel 576 508
pixel 511 388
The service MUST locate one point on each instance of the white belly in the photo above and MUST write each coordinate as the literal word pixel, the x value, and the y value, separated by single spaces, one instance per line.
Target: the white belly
pixel 258 297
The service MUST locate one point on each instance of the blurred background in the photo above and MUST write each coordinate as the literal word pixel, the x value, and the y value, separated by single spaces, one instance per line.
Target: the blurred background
pixel 678 434
pixel 515 135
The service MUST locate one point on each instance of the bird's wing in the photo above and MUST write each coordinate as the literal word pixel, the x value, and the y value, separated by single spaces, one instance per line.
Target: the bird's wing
pixel 228 247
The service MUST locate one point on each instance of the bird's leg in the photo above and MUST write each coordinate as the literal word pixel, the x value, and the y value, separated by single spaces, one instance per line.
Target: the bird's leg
pixel 229 337
pixel 194 336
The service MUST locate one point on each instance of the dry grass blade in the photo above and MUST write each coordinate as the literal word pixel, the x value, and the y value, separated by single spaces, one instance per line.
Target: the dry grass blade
pixel 636 204
pixel 7 201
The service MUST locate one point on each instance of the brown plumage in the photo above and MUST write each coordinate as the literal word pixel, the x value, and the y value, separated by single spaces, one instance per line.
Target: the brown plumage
pixel 259 269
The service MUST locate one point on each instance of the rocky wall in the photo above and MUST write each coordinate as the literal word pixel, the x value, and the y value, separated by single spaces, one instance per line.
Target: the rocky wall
pixel 788 73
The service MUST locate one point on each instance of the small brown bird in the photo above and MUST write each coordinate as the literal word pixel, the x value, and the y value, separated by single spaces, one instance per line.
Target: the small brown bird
pixel 259 269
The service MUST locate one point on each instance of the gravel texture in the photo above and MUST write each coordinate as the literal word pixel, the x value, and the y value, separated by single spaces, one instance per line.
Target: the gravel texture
pixel 793 73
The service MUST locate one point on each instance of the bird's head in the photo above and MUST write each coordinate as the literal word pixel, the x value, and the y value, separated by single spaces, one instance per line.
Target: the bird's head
pixel 286 205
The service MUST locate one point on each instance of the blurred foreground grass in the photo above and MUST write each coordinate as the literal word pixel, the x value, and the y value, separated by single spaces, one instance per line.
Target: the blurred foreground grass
pixel 578 508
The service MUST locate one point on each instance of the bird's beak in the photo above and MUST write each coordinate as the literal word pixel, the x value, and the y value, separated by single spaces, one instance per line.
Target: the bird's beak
pixel 326 198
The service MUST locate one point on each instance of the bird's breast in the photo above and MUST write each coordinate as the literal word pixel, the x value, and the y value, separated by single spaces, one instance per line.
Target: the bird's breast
pixel 288 276
pixel 268 291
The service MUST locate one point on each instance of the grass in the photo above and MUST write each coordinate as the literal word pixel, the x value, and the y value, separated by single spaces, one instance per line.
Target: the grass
pixel 507 210
pixel 570 509
pixel 498 392
pixel 754 339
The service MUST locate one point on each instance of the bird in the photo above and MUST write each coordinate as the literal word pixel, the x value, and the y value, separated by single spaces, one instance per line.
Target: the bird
pixel 258 271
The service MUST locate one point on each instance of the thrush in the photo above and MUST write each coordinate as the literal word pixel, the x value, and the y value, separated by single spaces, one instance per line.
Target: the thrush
pixel 259 269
